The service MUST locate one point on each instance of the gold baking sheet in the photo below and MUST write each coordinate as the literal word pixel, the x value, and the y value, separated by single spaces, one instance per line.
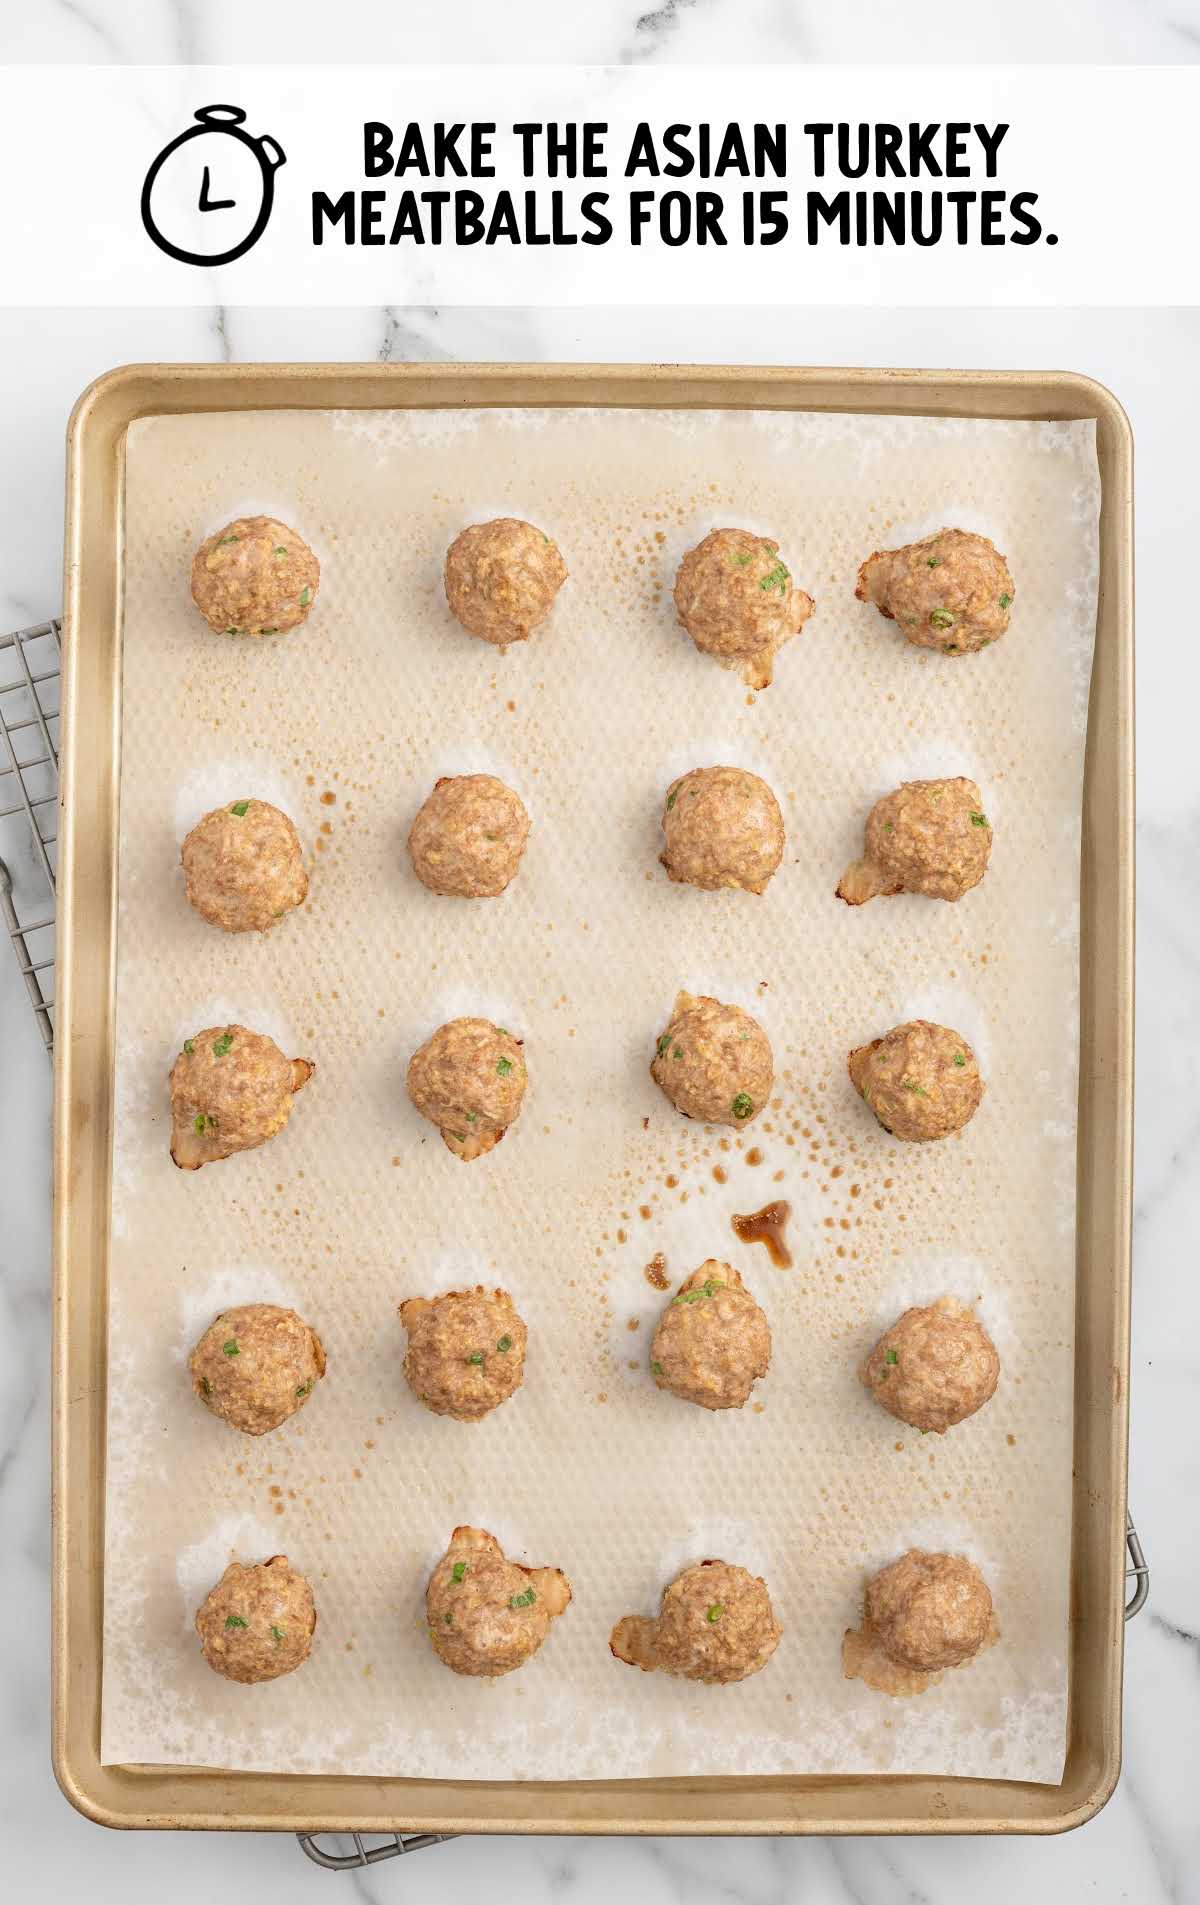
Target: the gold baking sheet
pixel 727 683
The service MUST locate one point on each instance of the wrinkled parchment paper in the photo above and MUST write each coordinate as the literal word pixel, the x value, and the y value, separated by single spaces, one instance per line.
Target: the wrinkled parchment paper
pixel 346 723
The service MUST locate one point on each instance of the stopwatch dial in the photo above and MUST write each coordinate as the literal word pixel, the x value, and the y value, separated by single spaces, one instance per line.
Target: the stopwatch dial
pixel 207 194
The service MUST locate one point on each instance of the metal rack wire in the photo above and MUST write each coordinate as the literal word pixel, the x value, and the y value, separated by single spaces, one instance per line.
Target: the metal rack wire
pixel 1137 1570
pixel 30 662
pixel 391 1845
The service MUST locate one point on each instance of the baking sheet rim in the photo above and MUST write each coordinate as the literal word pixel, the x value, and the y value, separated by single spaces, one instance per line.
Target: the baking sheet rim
pixel 121 1796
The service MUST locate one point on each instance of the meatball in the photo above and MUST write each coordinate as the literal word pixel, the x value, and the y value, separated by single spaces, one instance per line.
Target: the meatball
pixel 715 1623
pixel 258 1621
pixel 466 1351
pixel 934 1367
pixel 244 867
pixel 737 601
pixel 469 836
pixel 502 578
pixel 488 1615
pixel 713 1062
pixel 929 1611
pixel 929 837
pixel 712 1342
pixel 723 828
pixel 254 577
pixel 231 1089
pixel 920 1080
pixel 951 592
pixel 469 1080
pixel 256 1365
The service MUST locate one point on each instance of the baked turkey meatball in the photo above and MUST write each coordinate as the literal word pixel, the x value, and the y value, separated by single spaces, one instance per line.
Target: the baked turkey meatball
pixel 231 1089
pixel 920 1080
pixel 951 592
pixel 712 1342
pixel 468 838
pixel 723 827
pixel 929 1611
pixel 466 1351
pixel 488 1615
pixel 715 1623
pixel 256 1365
pixel 502 578
pixel 244 866
pixel 258 1621
pixel 469 1080
pixel 254 577
pixel 934 1367
pixel 737 601
pixel 714 1061
pixel 929 837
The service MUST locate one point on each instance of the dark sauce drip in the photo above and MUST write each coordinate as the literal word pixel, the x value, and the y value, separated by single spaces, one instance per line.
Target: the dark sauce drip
pixel 656 1272
pixel 767 1226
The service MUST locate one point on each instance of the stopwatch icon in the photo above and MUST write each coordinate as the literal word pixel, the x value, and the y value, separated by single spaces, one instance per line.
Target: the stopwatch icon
pixel 208 195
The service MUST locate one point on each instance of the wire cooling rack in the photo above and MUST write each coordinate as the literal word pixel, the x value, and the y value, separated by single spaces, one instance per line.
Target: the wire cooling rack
pixel 29 681
pixel 30 661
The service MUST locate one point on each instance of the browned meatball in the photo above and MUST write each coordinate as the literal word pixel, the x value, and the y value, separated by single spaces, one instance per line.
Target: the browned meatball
pixel 920 1080
pixel 231 1089
pixel 469 836
pixel 951 592
pixel 723 828
pixel 714 1061
pixel 502 578
pixel 929 1611
pixel 254 577
pixel 256 1365
pixel 469 1080
pixel 737 601
pixel 929 837
pixel 466 1351
pixel 712 1342
pixel 258 1621
pixel 244 866
pixel 488 1615
pixel 934 1367
pixel 715 1623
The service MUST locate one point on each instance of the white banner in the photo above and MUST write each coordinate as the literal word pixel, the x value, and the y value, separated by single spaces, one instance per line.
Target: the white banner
pixel 753 185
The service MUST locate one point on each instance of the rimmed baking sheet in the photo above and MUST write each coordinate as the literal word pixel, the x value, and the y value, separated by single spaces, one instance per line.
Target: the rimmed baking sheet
pixel 369 702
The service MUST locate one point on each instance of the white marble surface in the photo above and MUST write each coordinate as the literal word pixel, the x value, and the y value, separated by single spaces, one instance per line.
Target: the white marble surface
pixel 1146 1844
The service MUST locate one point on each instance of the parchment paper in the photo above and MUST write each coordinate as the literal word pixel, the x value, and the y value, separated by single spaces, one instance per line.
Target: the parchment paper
pixel 346 723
